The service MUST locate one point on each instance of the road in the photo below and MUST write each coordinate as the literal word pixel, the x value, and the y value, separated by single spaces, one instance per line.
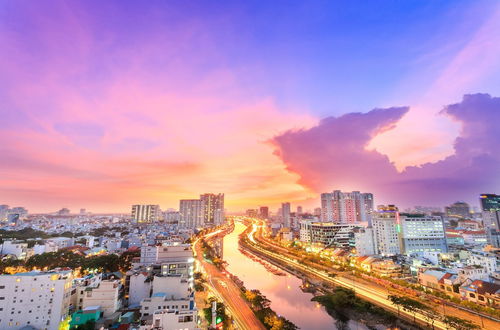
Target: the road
pixel 374 294
pixel 225 289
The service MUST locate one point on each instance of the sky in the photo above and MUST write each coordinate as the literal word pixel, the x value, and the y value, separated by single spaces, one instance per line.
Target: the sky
pixel 104 104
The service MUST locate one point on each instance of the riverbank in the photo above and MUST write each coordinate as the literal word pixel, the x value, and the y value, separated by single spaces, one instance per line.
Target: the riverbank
pixel 376 318
pixel 286 297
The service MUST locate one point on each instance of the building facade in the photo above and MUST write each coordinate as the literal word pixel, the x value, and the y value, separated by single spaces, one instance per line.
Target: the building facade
pixel 386 230
pixel 212 206
pixel 327 233
pixel 37 299
pixel 346 207
pixel 190 213
pixel 146 213
pixel 285 214
pixel 264 212
pixel 422 233
pixel 490 206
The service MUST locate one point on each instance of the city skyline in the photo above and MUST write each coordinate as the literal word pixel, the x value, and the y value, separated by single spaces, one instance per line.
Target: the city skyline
pixel 109 105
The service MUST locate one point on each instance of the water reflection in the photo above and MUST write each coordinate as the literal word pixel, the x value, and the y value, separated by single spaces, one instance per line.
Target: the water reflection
pixel 286 297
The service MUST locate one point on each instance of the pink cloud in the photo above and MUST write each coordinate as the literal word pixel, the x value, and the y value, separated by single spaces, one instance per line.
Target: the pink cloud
pixel 333 155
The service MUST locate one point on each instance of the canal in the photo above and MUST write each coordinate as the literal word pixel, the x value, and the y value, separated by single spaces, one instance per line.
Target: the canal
pixel 287 299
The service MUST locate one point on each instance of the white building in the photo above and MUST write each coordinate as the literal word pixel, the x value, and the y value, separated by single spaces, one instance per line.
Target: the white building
pixel 386 230
pixel 171 305
pixel 175 259
pixel 60 242
pixel 472 273
pixel 484 259
pixel 422 233
pixel 364 242
pixel 105 295
pixel 173 320
pixel 37 299
pixel 16 248
pixel 139 286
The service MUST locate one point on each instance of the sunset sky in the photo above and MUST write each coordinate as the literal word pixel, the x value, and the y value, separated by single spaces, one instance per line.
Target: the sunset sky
pixel 108 103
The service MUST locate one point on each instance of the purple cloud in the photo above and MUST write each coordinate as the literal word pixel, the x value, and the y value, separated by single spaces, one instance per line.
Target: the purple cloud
pixel 333 155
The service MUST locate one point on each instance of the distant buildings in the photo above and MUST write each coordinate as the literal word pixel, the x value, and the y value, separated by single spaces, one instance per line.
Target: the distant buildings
pixel 12 215
pixel 459 210
pixel 285 214
pixel 37 299
pixel 490 206
pixel 264 212
pixel 171 217
pixel 63 211
pixel 346 207
pixel 421 233
pixel 207 211
pixel 146 213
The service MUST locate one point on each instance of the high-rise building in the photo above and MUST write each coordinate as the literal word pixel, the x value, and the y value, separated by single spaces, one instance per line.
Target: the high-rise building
pixel 285 214
pixel 35 299
pixel 458 209
pixel 346 207
pixel 490 206
pixel 146 213
pixel 190 213
pixel 299 210
pixel 386 230
pixel 212 206
pixel 264 212
pixel 421 233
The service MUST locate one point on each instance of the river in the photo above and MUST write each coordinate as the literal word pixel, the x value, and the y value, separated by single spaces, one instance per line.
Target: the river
pixel 287 299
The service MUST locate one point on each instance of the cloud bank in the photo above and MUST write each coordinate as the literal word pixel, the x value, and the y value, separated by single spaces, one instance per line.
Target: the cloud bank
pixel 334 155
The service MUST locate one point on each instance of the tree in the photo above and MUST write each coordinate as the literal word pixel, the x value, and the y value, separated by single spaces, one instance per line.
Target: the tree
pixel 414 306
pixel 396 301
pixel 125 260
pixel 431 316
pixel 459 324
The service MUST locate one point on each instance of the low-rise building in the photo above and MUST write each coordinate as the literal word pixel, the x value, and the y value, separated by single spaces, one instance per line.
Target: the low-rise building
pixel 364 242
pixel 171 320
pixel 171 304
pixel 106 295
pixel 327 233
pixel 481 292
pixel 486 260
pixel 387 268
pixel 18 249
